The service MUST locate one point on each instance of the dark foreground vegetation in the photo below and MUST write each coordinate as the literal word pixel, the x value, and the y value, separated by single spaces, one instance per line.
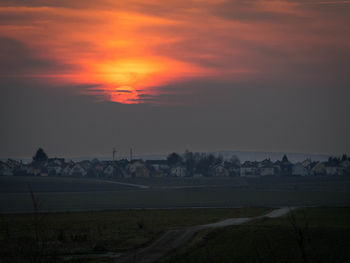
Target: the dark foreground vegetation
pixel 54 237
pixel 305 235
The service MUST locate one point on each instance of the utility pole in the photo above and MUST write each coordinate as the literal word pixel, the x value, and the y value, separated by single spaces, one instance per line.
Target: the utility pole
pixel 114 154
pixel 130 154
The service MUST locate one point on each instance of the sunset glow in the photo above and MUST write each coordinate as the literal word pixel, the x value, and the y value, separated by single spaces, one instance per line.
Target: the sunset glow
pixel 111 50
pixel 129 50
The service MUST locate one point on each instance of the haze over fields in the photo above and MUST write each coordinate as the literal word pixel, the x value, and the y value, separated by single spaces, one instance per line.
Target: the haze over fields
pixel 80 77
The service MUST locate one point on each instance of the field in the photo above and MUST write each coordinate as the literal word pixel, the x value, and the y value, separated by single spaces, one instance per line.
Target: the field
pixel 76 194
pixel 265 183
pixel 23 184
pixel 146 208
pixel 309 235
pixel 60 235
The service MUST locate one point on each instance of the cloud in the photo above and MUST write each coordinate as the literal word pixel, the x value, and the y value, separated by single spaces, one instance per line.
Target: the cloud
pixel 20 62
pixel 128 49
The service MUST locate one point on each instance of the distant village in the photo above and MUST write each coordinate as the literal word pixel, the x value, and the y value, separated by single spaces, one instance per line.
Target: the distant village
pixel 188 164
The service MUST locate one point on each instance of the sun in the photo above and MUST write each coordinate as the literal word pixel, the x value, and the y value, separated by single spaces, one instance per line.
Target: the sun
pixel 124 80
pixel 125 95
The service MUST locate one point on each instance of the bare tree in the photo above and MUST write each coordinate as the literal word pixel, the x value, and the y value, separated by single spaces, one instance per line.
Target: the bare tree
pixel 301 233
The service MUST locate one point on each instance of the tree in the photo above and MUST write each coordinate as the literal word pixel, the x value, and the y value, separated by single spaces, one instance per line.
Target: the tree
pixel 285 159
pixel 40 155
pixel 205 164
pixel 344 158
pixel 235 160
pixel 189 162
pixel 174 159
pixel 219 160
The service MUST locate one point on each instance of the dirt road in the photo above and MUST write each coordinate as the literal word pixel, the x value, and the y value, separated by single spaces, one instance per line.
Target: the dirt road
pixel 140 186
pixel 176 238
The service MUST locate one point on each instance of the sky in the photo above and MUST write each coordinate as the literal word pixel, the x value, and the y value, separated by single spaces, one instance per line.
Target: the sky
pixel 81 77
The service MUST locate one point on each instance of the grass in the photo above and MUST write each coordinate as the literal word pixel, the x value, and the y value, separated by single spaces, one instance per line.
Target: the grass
pixel 321 234
pixel 91 232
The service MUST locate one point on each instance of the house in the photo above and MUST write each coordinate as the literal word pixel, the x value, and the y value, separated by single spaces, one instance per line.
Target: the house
pixel 123 167
pixel 86 164
pixel 55 166
pixel 44 171
pixel 266 168
pixel 233 168
pixel 178 171
pixel 5 169
pixel 55 161
pixel 158 165
pixel 137 168
pixel 13 164
pixel 319 169
pixel 220 171
pixel 345 164
pixel 54 170
pixel 286 166
pixel 77 170
pixel 37 168
pixel 333 169
pixel 15 167
pixel 307 163
pixel 111 170
pixel 300 170
pixel 277 168
pixel 66 168
pixel 34 168
pixel 158 168
pixel 249 169
pixel 96 168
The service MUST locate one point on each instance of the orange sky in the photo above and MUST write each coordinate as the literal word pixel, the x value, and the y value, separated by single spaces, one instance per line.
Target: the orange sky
pixel 128 50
